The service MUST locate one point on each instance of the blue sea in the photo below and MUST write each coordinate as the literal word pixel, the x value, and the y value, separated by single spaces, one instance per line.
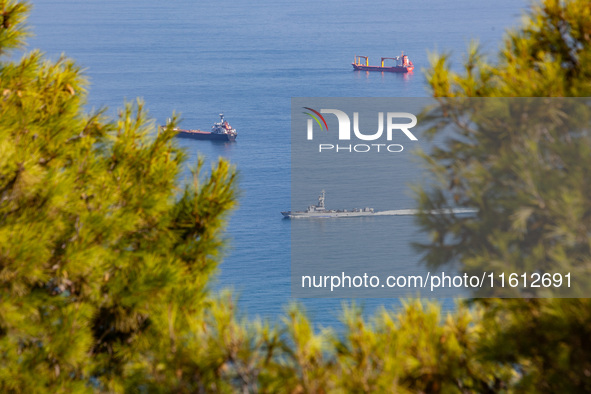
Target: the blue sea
pixel 248 59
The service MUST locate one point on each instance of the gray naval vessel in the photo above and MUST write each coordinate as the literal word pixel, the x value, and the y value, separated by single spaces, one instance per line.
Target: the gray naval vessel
pixel 320 211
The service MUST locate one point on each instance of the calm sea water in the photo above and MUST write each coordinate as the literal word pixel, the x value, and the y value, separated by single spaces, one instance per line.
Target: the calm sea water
pixel 248 59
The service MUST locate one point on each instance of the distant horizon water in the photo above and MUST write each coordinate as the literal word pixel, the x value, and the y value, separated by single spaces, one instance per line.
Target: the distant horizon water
pixel 248 60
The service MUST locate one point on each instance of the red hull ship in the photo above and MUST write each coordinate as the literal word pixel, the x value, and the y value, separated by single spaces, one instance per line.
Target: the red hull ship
pixel 403 64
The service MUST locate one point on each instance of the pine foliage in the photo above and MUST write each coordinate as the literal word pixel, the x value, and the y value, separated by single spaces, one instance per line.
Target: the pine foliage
pixel 524 164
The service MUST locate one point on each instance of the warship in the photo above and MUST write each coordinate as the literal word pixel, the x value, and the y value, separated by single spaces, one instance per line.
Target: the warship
pixel 320 211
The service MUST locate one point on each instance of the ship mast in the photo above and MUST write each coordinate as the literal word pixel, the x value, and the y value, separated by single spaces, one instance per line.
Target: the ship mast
pixel 321 200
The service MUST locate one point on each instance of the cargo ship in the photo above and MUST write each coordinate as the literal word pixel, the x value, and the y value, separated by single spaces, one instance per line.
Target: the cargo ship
pixel 220 131
pixel 403 64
